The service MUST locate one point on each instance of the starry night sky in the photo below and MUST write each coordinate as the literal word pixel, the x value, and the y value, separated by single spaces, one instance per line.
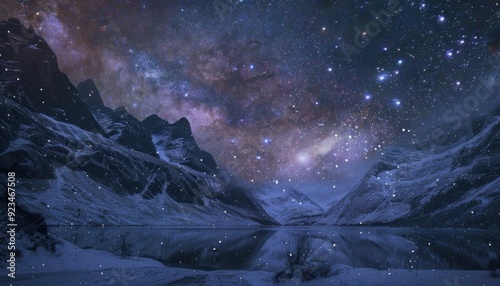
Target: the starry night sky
pixel 266 84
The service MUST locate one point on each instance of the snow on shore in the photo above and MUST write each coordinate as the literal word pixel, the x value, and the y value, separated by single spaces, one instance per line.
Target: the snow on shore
pixel 75 266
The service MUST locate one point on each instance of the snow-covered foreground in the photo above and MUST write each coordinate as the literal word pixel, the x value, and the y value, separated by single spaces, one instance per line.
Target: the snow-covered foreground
pixel 76 266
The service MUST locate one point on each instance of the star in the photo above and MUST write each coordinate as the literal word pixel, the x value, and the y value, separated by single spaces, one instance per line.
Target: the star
pixel 281 88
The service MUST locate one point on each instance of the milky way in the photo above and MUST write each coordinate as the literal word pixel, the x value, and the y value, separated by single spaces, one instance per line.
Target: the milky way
pixel 270 87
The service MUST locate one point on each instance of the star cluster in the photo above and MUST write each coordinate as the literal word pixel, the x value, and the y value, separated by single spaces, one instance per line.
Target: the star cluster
pixel 266 84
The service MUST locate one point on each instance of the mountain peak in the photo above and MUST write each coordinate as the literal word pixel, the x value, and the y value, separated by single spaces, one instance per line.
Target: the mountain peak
pixel 14 21
pixel 48 90
pixel 182 129
pixel 154 123
pixel 89 94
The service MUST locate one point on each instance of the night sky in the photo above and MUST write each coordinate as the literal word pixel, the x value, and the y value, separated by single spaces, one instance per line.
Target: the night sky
pixel 283 92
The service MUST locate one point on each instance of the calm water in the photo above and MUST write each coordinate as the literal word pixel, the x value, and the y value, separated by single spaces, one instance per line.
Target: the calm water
pixel 267 248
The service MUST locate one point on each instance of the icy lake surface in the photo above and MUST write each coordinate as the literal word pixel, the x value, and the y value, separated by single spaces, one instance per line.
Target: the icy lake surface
pixel 267 249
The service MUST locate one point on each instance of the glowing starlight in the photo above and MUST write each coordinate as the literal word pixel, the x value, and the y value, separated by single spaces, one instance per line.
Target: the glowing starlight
pixel 240 90
pixel 382 77
pixel 303 158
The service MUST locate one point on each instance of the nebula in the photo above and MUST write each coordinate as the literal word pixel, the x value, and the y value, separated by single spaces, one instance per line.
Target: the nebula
pixel 265 84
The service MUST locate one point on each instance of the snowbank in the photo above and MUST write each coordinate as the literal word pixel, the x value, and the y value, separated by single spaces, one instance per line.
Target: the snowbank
pixel 75 266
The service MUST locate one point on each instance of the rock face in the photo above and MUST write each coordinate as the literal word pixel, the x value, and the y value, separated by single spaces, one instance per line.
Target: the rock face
pixel 455 185
pixel 31 66
pixel 80 162
pixel 90 95
pixel 118 124
pixel 175 143
pixel 31 231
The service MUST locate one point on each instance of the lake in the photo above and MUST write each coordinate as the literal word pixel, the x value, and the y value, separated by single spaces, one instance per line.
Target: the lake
pixel 267 249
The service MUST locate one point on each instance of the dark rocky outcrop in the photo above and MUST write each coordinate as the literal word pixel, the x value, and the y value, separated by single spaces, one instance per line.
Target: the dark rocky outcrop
pixel 35 70
pixel 94 164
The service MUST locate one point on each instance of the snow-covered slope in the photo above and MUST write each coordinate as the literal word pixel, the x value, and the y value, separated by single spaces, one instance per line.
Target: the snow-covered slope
pixel 289 206
pixel 118 124
pixel 175 143
pixel 29 61
pixel 455 185
pixel 74 176
pixel 105 171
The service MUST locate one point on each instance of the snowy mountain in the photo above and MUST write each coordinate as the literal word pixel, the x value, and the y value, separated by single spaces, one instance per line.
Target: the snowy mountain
pixel 79 162
pixel 175 143
pixel 27 60
pixel 289 206
pixel 453 185
pixel 118 124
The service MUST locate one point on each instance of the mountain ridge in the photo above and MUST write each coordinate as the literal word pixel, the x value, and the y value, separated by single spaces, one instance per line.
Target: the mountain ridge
pixel 452 185
pixel 95 164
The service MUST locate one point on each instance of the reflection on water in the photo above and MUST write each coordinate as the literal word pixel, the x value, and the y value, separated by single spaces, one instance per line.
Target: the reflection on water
pixel 268 248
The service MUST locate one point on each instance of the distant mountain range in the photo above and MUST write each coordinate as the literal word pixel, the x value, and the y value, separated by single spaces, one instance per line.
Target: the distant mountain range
pixel 80 162
pixel 454 184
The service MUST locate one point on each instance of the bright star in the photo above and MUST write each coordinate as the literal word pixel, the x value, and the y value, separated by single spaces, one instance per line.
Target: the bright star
pixel 382 77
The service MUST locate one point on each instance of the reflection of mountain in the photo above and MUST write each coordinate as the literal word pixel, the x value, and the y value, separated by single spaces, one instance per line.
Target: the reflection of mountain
pixel 267 249
pixel 80 162
pixel 454 185
pixel 197 248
